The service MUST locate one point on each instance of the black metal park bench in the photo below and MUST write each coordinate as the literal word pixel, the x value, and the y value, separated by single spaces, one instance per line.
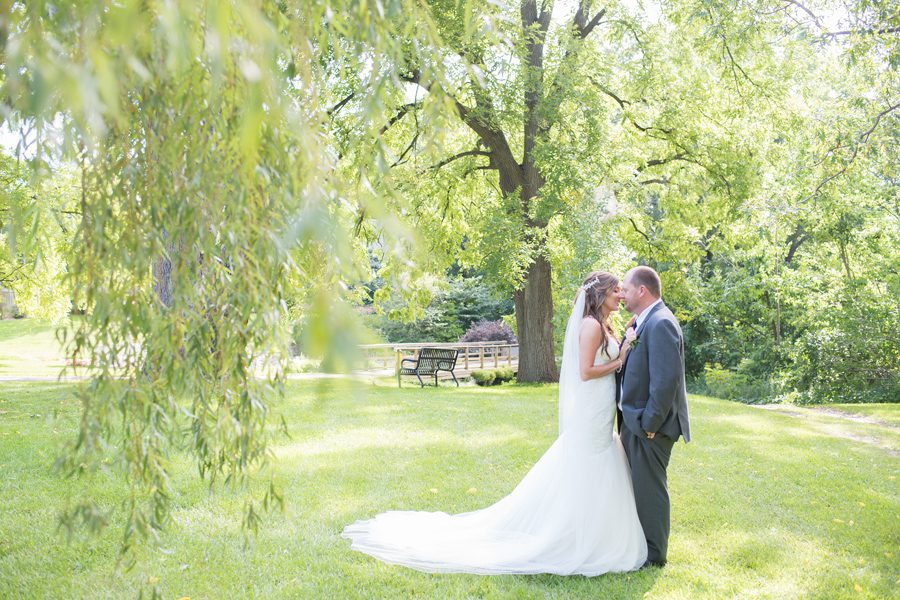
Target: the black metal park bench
pixel 428 363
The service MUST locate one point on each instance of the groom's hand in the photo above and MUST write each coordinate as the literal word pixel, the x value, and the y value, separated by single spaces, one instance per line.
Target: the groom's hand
pixel 650 434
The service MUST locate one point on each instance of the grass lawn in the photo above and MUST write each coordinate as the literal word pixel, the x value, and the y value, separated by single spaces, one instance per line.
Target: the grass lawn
pixel 28 348
pixel 765 504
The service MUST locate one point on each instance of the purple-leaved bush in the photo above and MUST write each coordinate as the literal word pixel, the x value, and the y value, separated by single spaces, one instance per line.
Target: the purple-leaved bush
pixel 489 331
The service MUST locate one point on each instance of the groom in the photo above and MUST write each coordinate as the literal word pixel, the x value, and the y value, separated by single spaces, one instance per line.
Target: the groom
pixel 653 404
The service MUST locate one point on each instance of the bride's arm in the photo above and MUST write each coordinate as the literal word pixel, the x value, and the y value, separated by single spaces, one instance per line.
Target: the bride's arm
pixel 589 342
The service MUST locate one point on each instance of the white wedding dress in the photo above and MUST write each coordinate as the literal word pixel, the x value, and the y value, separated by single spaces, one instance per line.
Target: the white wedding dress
pixel 572 514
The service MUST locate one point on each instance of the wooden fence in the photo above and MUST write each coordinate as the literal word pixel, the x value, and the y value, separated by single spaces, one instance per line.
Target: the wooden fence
pixel 472 355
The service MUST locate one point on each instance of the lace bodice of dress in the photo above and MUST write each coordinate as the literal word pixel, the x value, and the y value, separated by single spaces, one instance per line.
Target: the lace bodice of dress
pixel 601 357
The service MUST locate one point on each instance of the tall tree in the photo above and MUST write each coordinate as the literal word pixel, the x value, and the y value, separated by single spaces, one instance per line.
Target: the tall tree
pixel 549 103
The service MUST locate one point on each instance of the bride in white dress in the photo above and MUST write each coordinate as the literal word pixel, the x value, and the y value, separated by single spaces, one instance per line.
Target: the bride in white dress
pixel 573 513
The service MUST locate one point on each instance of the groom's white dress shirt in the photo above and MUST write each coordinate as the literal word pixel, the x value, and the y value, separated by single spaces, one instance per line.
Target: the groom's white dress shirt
pixel 637 325
pixel 644 314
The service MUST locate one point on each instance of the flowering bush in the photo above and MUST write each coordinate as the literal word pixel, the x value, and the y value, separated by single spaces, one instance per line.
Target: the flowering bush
pixel 489 331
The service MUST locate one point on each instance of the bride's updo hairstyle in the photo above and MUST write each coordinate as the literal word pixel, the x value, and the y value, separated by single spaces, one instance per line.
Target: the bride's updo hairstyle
pixel 597 287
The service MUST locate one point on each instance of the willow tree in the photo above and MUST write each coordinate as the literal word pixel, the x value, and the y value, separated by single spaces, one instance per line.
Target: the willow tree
pixel 209 209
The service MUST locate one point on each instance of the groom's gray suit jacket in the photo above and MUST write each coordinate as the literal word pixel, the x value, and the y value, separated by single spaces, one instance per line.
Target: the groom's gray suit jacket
pixel 653 391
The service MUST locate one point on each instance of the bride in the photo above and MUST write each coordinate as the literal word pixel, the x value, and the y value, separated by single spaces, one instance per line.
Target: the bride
pixel 574 512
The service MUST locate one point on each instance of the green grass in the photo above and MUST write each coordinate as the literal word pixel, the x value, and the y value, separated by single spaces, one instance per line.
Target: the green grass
pixel 764 504
pixel 28 348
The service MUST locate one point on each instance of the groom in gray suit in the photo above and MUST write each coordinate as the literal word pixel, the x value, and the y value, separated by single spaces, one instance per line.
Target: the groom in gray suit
pixel 653 404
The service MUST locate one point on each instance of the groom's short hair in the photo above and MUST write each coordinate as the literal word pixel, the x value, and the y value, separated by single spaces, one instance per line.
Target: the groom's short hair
pixel 647 277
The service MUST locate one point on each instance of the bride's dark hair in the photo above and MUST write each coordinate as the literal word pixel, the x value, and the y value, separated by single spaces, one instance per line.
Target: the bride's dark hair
pixel 597 286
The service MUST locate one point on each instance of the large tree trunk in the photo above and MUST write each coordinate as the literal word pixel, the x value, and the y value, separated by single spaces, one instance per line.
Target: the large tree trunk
pixel 162 279
pixel 534 319
pixel 534 302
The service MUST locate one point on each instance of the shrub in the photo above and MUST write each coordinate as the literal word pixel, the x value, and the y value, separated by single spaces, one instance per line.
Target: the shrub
pixel 735 385
pixel 489 331
pixel 854 363
pixel 504 374
pixel 485 377
pixel 493 376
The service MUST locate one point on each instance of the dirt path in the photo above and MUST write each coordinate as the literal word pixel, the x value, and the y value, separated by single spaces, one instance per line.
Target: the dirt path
pixel 844 429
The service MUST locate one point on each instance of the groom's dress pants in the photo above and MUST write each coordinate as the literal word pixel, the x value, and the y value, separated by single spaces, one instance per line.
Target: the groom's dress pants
pixel 648 460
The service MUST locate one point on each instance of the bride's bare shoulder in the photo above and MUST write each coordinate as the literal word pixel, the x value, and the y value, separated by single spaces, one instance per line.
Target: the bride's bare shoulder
pixel 590 324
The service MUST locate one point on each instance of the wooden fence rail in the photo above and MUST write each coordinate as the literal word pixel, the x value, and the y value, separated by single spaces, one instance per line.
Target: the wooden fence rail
pixel 472 355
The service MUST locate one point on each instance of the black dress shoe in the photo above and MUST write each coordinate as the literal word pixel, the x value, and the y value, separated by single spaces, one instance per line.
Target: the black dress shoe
pixel 654 563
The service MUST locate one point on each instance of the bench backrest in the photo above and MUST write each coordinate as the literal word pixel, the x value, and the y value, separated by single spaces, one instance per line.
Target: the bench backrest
pixel 432 359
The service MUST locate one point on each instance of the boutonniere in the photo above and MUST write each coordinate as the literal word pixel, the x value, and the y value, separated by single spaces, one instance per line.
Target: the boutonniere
pixel 632 337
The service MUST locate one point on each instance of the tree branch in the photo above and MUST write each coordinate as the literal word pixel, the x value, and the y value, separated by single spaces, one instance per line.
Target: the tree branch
pixel 9 276
pixel 833 34
pixel 622 103
pixel 502 156
pixel 661 161
pixel 341 104
pixel 401 112
pixel 585 29
pixel 809 12
pixel 403 154
pixel 864 137
pixel 636 228
pixel 798 237
pixel 450 159
pixel 609 93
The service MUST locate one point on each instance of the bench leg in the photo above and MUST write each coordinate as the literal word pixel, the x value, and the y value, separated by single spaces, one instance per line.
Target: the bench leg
pixel 435 379
pixel 455 380
pixel 422 383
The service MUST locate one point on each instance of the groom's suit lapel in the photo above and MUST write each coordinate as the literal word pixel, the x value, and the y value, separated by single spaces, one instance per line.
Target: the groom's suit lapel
pixel 641 329
pixel 649 314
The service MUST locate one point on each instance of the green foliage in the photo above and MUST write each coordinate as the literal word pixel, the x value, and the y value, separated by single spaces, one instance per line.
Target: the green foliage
pixel 736 385
pixel 486 377
pixel 855 357
pixel 37 224
pixel 452 310
pixel 504 374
